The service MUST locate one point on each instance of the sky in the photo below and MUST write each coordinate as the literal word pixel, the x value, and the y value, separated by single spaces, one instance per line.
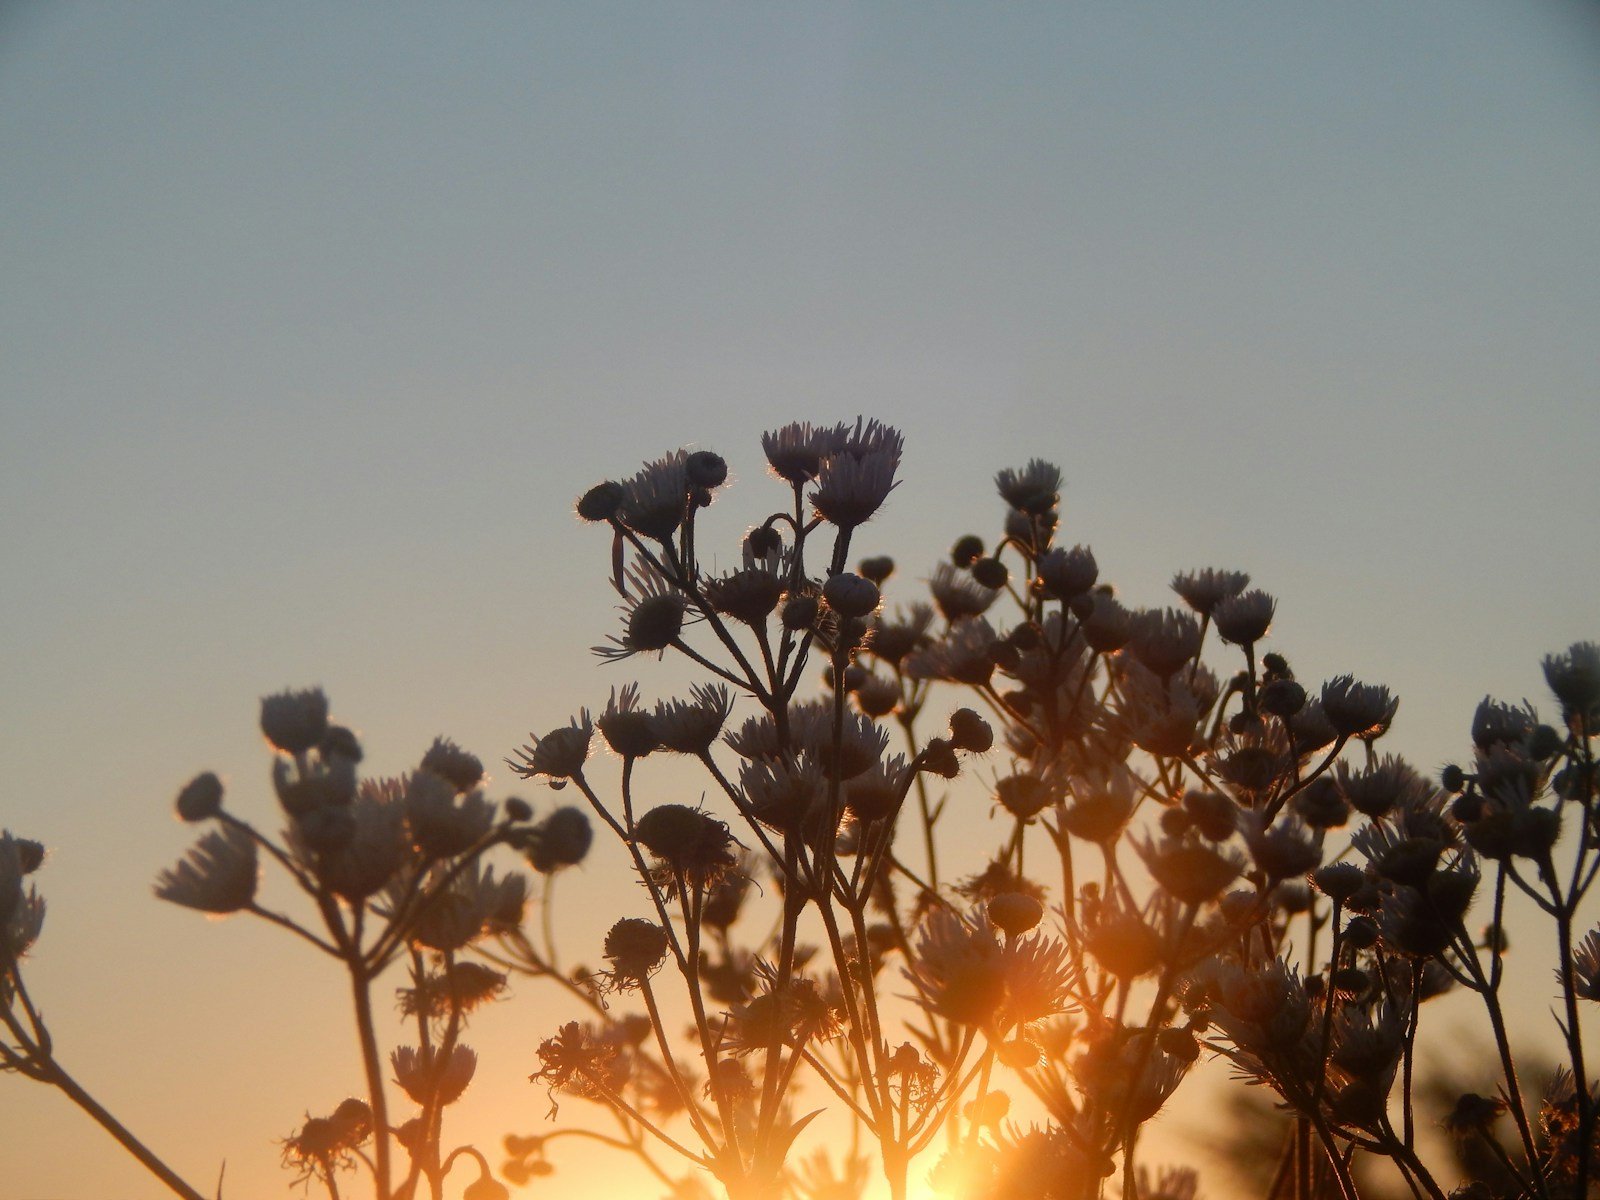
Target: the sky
pixel 315 318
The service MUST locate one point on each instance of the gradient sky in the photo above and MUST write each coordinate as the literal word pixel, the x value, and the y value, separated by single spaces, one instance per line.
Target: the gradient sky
pixel 315 318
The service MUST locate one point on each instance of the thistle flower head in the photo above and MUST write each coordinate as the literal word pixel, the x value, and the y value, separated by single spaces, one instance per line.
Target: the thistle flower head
pixel 1204 589
pixel 426 1074
pixel 688 843
pixel 295 722
pixel 851 489
pixel 1033 489
pixel 957 594
pixel 1358 710
pixel 625 726
pixel 560 754
pixel 1243 620
pixel 635 948
pixel 218 875
pixel 692 726
pixel 655 500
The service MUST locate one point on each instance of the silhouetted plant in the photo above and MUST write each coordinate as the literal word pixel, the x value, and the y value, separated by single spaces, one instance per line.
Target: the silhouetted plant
pixel 1185 862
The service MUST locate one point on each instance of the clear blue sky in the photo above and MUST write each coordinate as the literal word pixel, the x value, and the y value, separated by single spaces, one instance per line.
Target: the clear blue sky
pixel 314 318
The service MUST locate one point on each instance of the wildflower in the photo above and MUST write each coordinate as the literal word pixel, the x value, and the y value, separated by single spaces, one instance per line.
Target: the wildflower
pixel 876 793
pixel 324 1145
pixel 1493 722
pixel 795 452
pixel 1189 870
pixel 1106 625
pixel 1243 620
pixel 1358 710
pixel 705 469
pixel 635 948
pixel 1164 639
pixel 1574 677
pixel 562 839
pixel 460 987
pixel 958 595
pixel 440 826
pixel 851 489
pixel 958 969
pixel 690 727
pixel 1320 805
pixel 876 696
pixel 748 595
pixel 961 656
pixel 1203 590
pixel 1063 574
pixel 576 1061
pixel 785 796
pixel 786 1012
pixel 1282 849
pixel 1281 698
pixel 427 1074
pixel 560 754
pixel 625 727
pixel 448 761
pixel 1033 489
pixel 355 850
pixel 21 912
pixel 295 722
pixel 891 641
pixel 1122 943
pixel 756 738
pixel 861 741
pixel 1586 966
pixel 1215 816
pixel 201 798
pixel 1024 796
pixel 1102 803
pixel 218 875
pixel 654 615
pixel 655 499
pixel 475 903
pixel 1338 881
pixel 690 844
pixel 1311 729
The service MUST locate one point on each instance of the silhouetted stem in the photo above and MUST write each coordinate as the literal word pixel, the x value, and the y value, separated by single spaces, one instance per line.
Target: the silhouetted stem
pixel 360 987
pixel 118 1130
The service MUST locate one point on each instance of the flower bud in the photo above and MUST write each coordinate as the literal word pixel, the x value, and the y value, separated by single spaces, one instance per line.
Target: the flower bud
pixel 601 502
pixel 850 595
pixel 762 541
pixel 518 809
pixel 1015 913
pixel 969 731
pixel 990 572
pixel 878 568
pixel 201 798
pixel 799 612
pixel 1281 698
pixel 939 757
pixel 967 550
pixel 704 469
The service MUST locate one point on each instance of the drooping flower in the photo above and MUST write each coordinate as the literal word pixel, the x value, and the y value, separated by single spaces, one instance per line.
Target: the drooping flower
pixel 218 875
pixel 560 754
